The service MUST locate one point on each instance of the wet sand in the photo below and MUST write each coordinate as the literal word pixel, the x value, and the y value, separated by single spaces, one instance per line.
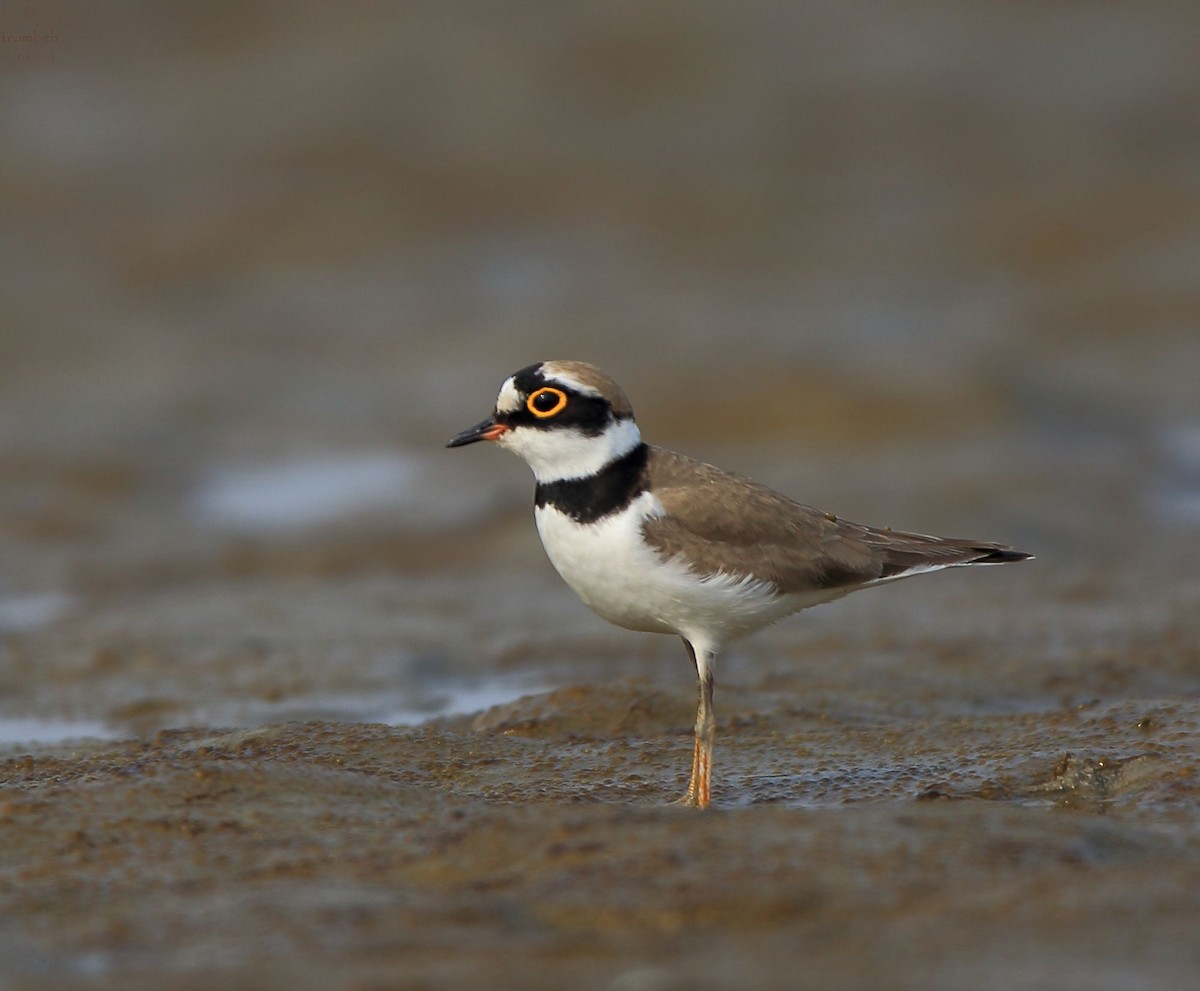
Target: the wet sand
pixel 531 845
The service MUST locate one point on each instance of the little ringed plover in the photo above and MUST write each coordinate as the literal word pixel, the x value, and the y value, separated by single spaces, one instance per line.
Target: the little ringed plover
pixel 654 541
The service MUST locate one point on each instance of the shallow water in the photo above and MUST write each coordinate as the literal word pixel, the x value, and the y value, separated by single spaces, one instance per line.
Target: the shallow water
pixel 434 701
pixel 18 733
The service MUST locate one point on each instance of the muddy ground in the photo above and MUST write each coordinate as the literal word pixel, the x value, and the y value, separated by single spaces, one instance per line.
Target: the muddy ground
pixel 533 848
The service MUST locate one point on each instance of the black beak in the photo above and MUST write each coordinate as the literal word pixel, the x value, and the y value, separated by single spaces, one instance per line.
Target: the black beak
pixel 487 429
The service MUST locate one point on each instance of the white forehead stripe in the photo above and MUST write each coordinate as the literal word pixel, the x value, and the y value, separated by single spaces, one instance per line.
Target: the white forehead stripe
pixel 567 379
pixel 509 400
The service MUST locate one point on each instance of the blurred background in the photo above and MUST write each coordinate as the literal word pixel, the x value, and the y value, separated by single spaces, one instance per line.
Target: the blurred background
pixel 925 264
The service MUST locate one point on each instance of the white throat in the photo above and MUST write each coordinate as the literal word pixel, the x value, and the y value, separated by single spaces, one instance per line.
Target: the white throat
pixel 558 454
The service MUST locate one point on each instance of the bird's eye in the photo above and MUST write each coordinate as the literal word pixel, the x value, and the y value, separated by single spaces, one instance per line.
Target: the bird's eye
pixel 546 402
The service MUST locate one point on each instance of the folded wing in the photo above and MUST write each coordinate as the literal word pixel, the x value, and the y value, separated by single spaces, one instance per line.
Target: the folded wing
pixel 719 522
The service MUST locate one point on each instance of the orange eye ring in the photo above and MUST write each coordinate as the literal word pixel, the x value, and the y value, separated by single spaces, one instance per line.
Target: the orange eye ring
pixel 538 398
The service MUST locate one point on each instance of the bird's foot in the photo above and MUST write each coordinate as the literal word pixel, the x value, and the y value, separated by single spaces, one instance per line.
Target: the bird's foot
pixel 697 796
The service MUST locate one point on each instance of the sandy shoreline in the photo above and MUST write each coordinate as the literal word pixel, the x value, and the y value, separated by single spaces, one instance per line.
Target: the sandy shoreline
pixel 518 847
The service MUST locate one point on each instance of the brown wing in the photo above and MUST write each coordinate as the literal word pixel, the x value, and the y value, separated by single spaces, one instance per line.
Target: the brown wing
pixel 719 521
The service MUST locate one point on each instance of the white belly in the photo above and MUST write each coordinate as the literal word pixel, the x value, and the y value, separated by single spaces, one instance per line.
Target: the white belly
pixel 627 583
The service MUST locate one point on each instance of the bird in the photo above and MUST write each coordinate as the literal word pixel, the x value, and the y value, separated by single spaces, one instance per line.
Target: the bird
pixel 657 542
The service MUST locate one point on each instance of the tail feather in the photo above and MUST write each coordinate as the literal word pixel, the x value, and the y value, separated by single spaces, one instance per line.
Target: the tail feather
pixel 999 554
pixel 913 554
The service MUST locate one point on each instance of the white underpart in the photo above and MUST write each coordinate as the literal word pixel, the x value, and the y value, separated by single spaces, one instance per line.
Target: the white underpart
pixel 624 580
pixel 557 453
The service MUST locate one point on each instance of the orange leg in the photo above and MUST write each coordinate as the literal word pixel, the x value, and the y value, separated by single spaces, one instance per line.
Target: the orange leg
pixel 693 783
pixel 699 792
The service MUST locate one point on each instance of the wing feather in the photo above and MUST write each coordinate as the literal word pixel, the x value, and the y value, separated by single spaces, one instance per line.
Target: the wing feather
pixel 719 522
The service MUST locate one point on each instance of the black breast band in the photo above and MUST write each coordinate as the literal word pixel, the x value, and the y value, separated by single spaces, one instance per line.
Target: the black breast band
pixel 609 491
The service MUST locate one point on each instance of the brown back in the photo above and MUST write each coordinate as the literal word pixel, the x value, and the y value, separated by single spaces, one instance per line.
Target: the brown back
pixel 721 522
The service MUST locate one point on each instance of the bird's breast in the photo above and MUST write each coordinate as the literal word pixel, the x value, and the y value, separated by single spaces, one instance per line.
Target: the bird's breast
pixel 607 563
pixel 624 580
